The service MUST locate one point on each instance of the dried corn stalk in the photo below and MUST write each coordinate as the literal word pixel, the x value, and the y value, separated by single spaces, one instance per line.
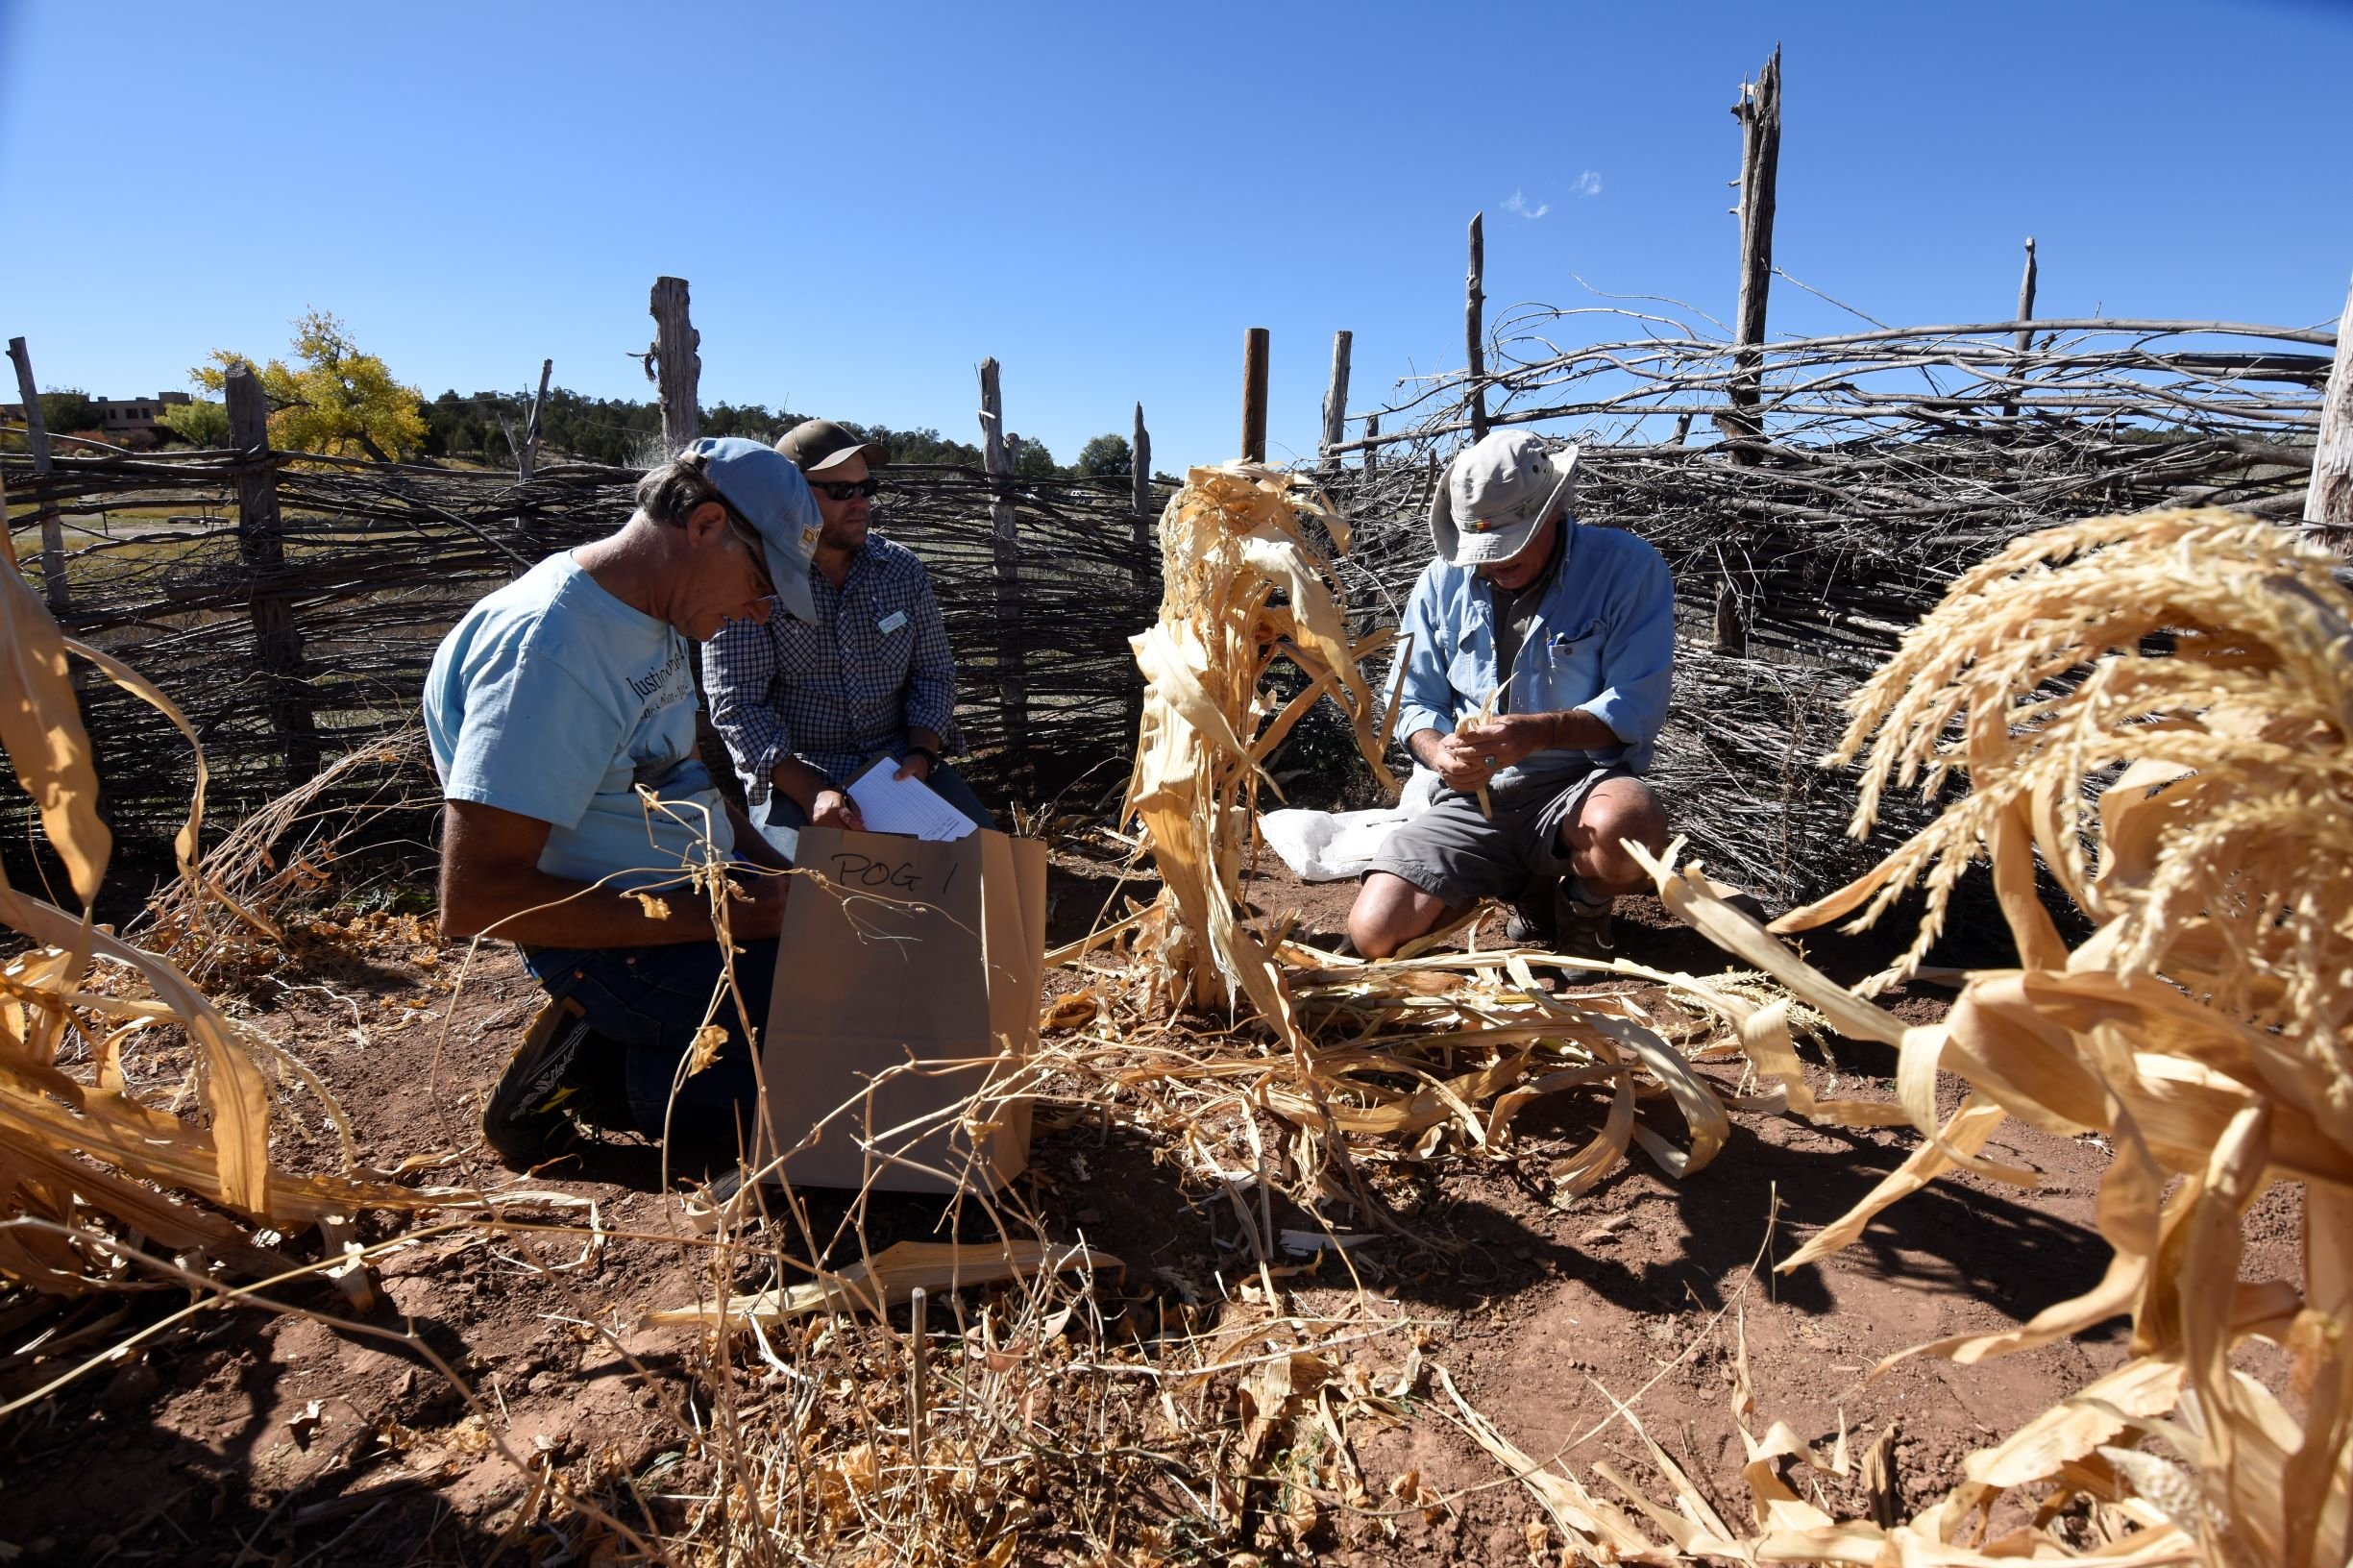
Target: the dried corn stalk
pixel 73 1149
pixel 1230 541
pixel 2203 1027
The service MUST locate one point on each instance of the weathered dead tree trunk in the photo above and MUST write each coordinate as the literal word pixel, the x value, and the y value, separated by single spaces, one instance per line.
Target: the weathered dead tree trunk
pixel 527 446
pixel 36 438
pixel 1759 112
pixel 2328 503
pixel 278 643
pixel 1336 403
pixel 1012 684
pixel 1254 394
pixel 1474 326
pixel 675 359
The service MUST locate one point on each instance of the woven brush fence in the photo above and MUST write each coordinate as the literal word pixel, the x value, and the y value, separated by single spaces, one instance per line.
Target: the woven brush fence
pixel 1815 496
pixel 291 650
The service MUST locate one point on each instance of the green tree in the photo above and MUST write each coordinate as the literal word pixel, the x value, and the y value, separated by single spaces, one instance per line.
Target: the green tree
pixel 919 445
pixel 1106 458
pixel 335 400
pixel 1034 459
pixel 70 412
pixel 201 423
pixel 752 421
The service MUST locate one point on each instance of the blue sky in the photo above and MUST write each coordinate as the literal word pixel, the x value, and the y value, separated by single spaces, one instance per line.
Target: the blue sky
pixel 869 199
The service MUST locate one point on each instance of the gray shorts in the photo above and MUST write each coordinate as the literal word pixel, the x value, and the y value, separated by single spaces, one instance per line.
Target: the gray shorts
pixel 1453 852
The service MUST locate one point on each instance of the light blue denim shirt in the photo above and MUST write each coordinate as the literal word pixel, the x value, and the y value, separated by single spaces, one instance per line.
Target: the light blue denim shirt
pixel 1604 640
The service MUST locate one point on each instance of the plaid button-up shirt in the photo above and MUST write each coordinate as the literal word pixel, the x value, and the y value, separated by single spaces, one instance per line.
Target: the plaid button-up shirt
pixel 874 665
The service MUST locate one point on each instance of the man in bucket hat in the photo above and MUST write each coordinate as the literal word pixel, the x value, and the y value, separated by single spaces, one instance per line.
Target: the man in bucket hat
pixel 1537 658
pixel 804 705
pixel 555 707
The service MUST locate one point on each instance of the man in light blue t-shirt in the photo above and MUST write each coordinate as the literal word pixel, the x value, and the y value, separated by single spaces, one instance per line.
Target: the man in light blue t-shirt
pixel 549 707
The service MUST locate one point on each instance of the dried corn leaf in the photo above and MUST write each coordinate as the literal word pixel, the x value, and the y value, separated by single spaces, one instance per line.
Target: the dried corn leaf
pixel 891 1277
pixel 1597 1529
pixel 40 723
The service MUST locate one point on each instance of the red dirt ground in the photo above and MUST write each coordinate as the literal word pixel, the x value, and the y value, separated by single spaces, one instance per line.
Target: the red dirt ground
pixel 255 1438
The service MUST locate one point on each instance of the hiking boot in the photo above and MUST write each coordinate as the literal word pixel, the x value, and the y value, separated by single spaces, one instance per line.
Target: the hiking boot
pixel 1529 924
pixel 563 1067
pixel 1583 930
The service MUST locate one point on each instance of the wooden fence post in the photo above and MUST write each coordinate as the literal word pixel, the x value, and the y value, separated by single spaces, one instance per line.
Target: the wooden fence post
pixel 1141 576
pixel 1013 683
pixel 1759 112
pixel 278 643
pixel 2328 502
pixel 37 437
pixel 2025 333
pixel 1335 400
pixel 1474 326
pixel 1372 447
pixel 674 342
pixel 1254 394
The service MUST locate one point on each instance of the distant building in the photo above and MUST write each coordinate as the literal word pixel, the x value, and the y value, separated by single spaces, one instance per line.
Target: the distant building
pixel 136 413
pixel 121 416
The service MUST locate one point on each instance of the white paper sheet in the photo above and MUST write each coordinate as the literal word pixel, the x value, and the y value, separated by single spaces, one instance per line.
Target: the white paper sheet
pixel 891 804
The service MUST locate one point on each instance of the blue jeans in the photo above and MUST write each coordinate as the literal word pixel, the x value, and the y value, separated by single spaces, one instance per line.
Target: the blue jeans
pixel 650 1001
pixel 780 819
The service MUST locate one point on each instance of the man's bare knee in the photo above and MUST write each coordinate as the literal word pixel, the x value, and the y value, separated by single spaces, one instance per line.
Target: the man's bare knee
pixel 1618 809
pixel 1390 912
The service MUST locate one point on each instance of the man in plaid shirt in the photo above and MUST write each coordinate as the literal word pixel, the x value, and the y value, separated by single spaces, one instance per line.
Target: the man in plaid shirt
pixel 804 706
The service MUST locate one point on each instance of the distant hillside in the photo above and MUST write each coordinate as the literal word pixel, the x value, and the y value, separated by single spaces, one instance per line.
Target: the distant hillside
pixel 630 434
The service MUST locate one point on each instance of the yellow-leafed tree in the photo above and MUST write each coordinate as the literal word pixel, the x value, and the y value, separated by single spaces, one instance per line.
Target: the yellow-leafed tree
pixel 333 399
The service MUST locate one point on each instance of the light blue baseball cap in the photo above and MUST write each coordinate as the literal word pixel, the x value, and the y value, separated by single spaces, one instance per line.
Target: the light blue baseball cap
pixel 767 490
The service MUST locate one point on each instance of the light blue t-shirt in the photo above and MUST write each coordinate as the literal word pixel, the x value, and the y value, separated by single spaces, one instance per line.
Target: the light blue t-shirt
pixel 555 701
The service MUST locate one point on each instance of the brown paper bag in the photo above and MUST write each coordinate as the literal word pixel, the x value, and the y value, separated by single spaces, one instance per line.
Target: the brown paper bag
pixel 909 953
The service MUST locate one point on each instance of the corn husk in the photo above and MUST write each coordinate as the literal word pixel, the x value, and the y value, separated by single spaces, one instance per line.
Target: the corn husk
pixel 78 1150
pixel 2158 709
pixel 1232 540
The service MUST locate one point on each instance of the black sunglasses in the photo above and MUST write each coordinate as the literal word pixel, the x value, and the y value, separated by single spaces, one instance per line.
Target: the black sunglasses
pixel 843 489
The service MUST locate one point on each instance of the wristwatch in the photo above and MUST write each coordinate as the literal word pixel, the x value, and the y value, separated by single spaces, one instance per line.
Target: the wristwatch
pixel 930 756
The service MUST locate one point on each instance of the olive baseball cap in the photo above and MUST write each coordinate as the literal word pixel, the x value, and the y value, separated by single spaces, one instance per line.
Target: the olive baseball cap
pixel 816 445
pixel 768 492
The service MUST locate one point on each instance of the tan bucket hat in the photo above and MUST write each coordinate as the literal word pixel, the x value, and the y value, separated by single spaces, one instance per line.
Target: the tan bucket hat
pixel 1495 494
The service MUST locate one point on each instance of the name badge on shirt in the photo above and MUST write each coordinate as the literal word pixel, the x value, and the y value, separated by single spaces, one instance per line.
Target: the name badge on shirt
pixel 890 623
